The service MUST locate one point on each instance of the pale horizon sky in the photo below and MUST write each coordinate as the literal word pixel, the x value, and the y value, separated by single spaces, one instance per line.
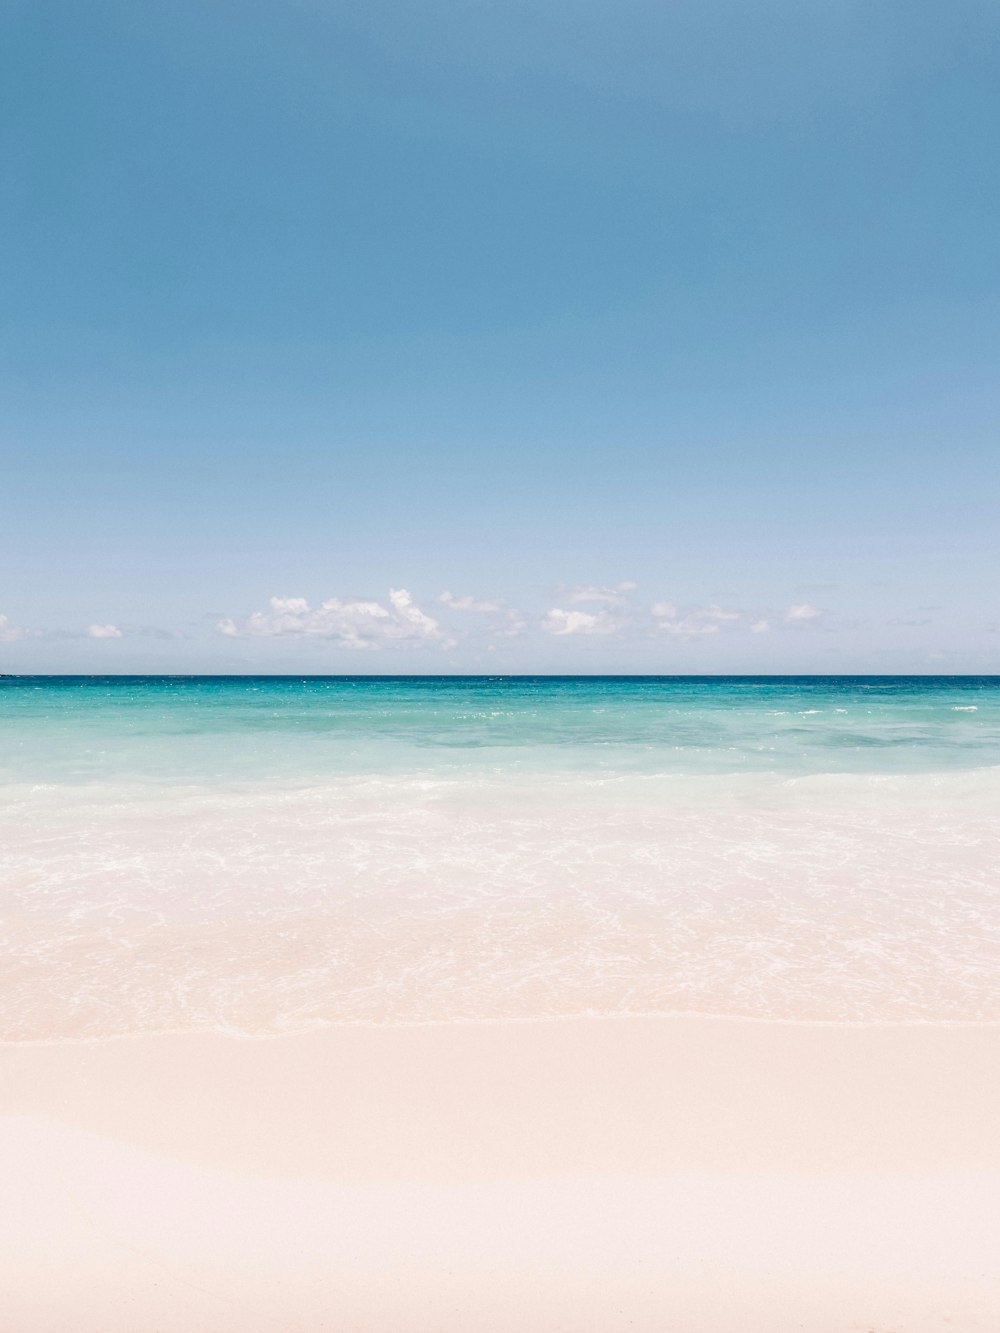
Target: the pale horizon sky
pixel 549 337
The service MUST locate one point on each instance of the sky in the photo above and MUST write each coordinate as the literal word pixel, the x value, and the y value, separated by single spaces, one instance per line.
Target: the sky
pixel 534 336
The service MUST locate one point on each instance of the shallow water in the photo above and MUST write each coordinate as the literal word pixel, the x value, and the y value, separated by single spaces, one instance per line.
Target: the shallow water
pixel 266 854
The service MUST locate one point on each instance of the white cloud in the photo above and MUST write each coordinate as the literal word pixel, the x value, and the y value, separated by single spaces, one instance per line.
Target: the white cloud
pixel 514 622
pixel 10 633
pixel 588 610
pixel 517 623
pixel 560 622
pixel 687 627
pixel 468 603
pixel 697 620
pixel 424 626
pixel 353 624
pixel 614 596
pixel 103 632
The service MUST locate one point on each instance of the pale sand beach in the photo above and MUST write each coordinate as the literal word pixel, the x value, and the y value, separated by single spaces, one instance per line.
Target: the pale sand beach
pixel 703 1175
pixel 398 930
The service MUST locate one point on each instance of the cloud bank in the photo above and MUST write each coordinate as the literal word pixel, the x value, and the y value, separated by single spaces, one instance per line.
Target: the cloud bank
pixel 358 625
pixel 587 610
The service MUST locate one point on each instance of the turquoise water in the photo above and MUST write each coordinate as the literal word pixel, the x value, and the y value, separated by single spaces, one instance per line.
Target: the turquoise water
pixel 264 854
pixel 78 729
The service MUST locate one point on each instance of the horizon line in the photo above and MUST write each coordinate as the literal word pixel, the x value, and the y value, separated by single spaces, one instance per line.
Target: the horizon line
pixel 519 675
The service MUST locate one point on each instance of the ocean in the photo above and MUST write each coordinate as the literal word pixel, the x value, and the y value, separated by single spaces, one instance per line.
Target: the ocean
pixel 270 854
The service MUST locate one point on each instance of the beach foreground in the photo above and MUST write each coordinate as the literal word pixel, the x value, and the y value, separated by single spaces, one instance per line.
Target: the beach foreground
pixel 595 1174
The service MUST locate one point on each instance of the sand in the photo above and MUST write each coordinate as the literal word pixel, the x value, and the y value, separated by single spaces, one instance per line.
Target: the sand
pixel 698 1175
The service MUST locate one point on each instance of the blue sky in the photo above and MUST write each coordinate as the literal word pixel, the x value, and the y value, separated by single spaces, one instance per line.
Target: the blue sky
pixel 352 305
